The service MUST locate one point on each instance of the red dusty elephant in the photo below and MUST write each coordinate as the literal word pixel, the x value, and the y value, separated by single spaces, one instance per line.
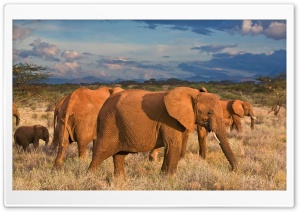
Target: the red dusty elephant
pixel 237 109
pixel 140 121
pixel 76 117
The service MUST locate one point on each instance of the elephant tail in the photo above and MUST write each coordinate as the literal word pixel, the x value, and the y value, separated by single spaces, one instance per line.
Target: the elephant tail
pixel 54 118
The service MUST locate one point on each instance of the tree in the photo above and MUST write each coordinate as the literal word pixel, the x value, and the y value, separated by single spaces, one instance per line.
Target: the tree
pixel 25 76
pixel 275 88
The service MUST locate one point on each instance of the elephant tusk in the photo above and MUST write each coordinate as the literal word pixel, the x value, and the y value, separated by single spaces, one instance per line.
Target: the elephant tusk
pixel 216 137
pixel 253 117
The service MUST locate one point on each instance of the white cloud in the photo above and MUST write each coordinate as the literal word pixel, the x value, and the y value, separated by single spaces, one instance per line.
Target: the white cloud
pixel 276 31
pixel 67 68
pixel 71 55
pixel 249 28
pixel 115 67
pixel 44 50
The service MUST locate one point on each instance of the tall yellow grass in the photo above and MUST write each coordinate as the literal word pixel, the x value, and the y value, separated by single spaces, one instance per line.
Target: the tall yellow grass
pixel 261 154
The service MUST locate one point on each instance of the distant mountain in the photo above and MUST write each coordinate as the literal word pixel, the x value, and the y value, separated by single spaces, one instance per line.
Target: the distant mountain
pixel 88 80
pixel 208 79
pixel 110 79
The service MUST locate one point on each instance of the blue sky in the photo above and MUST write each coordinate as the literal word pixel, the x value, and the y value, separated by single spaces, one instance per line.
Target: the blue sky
pixel 144 49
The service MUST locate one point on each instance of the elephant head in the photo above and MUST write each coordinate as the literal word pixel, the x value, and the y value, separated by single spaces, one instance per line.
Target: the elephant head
pixel 190 107
pixel 115 90
pixel 41 132
pixel 243 109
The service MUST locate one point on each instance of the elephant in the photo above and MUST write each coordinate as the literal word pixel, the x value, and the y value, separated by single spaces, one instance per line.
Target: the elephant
pixel 139 121
pixel 76 116
pixel 26 135
pixel 16 114
pixel 202 134
pixel 237 109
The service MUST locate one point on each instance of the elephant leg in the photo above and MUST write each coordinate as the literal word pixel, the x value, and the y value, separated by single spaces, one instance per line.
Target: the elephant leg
pixel 82 146
pixel 172 153
pixel 25 147
pixel 237 123
pixel 98 159
pixel 36 142
pixel 62 147
pixel 171 159
pixel 184 143
pixel 119 159
pixel 153 154
pixel 202 141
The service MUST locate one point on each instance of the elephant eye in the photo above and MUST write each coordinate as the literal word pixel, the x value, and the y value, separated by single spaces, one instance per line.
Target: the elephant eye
pixel 210 112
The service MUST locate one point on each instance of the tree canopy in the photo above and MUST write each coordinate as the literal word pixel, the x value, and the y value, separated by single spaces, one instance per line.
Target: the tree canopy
pixel 25 76
pixel 275 88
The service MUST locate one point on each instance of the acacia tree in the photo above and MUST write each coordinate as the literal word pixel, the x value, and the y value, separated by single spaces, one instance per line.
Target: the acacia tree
pixel 25 76
pixel 275 88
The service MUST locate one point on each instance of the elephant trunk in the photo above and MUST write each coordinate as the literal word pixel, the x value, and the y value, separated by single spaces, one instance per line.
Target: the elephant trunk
pixel 252 122
pixel 252 118
pixel 221 136
pixel 46 142
pixel 17 120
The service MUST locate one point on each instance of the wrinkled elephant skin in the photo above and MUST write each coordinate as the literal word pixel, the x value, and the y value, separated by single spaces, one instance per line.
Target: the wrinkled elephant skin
pixel 140 121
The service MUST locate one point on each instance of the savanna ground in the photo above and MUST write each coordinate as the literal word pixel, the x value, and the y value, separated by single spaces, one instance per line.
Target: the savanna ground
pixel 261 156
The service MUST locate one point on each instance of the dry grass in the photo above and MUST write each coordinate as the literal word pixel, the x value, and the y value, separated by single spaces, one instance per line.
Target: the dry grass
pixel 261 154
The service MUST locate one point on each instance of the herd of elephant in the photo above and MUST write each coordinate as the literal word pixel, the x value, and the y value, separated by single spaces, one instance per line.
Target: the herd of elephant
pixel 120 122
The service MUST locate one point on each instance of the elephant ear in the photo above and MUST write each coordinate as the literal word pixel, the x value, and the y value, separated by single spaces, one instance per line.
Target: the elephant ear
pixel 237 107
pixel 45 131
pixel 38 131
pixel 203 89
pixel 179 104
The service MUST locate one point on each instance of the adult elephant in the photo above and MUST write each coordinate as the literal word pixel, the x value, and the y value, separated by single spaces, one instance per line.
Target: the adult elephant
pixel 139 121
pixel 233 111
pixel 237 109
pixel 16 114
pixel 76 117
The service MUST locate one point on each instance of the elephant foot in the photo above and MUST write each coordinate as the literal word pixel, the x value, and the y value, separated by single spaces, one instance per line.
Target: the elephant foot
pixel 202 157
pixel 56 167
pixel 152 158
pixel 234 168
pixel 168 174
pixel 119 176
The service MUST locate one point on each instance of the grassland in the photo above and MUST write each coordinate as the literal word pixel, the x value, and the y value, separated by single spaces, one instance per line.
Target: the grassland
pixel 261 154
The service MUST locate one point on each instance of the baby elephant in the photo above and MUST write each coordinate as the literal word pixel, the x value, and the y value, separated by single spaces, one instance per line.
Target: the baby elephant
pixel 26 135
